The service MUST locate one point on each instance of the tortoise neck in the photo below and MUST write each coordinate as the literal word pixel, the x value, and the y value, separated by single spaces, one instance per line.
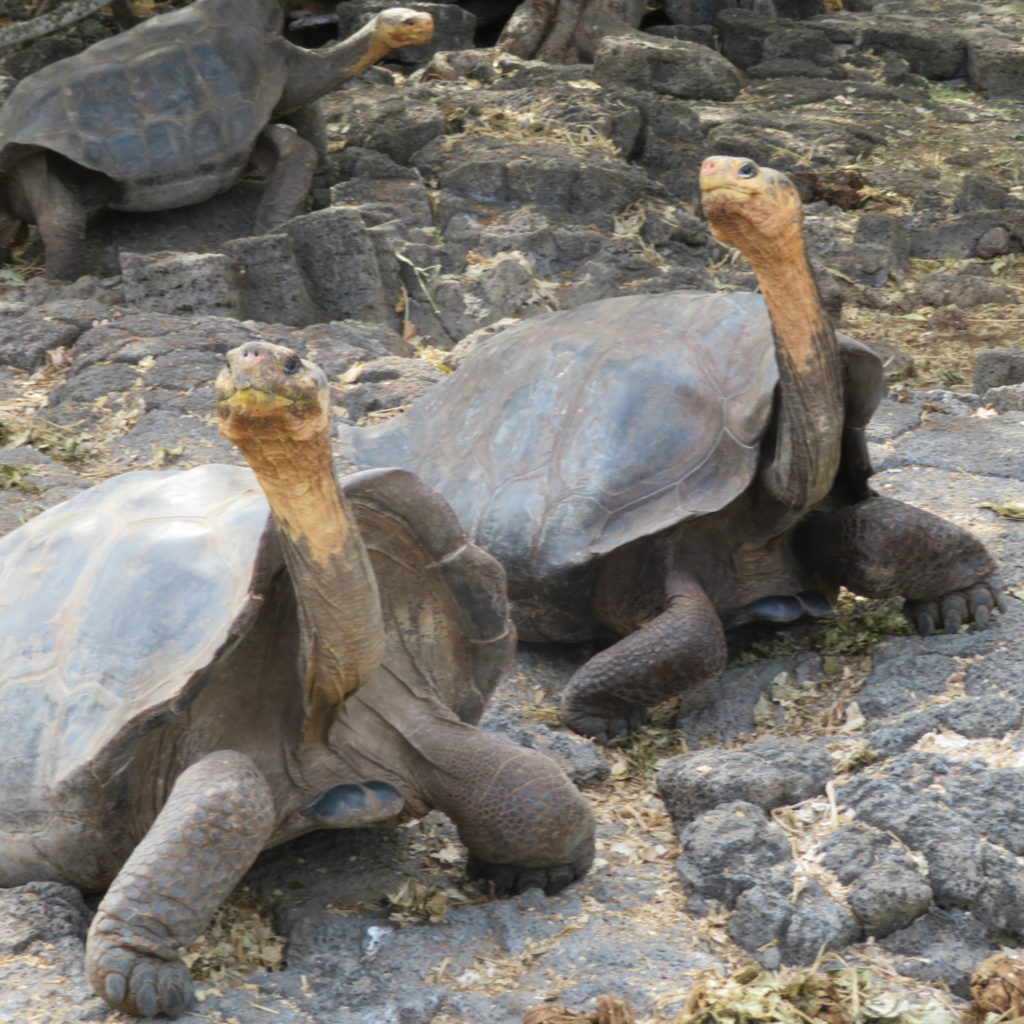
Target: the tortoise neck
pixel 810 415
pixel 339 607
pixel 314 73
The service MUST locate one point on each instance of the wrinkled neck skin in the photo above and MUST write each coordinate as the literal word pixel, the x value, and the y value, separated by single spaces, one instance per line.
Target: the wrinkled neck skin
pixel 809 422
pixel 314 73
pixel 339 606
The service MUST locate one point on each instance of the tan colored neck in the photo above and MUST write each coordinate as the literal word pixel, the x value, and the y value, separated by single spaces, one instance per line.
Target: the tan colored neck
pixel 339 606
pixel 811 412
pixel 303 493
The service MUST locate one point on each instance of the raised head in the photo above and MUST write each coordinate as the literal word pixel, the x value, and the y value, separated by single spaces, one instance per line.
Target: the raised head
pixel 268 393
pixel 756 209
pixel 399 26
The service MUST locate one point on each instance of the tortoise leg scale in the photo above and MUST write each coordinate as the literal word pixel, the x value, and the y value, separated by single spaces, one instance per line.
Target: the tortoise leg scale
pixel 881 547
pixel 218 817
pixel 681 648
pixel 523 822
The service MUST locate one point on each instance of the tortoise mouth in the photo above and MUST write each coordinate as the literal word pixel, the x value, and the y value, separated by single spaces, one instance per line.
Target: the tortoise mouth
pixel 713 190
pixel 255 400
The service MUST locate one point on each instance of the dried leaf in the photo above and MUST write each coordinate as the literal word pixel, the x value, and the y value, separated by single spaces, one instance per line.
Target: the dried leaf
pixel 1008 510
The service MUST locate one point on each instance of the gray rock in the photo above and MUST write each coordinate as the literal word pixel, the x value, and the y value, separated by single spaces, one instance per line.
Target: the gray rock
pixel 271 285
pixel 886 889
pixel 962 290
pixel 995 63
pixel 943 946
pixel 731 849
pixel 961 237
pixel 818 923
pixel 24 342
pixel 339 261
pixel 40 911
pixel 888 230
pixel 674 67
pixel 768 772
pixel 994 367
pixel 387 383
pixel 181 283
pixel 394 123
pixel 1008 398
pixel 760 920
pixel 742 34
pixel 931 48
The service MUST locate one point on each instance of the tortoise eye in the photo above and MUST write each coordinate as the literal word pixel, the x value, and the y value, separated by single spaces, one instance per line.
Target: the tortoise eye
pixel 747 170
pixel 292 365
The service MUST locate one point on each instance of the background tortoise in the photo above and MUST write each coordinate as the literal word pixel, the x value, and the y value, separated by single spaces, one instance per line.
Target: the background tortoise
pixel 182 684
pixel 661 467
pixel 172 112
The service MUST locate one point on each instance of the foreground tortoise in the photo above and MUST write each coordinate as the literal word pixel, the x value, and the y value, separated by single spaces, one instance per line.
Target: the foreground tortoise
pixel 662 467
pixel 172 112
pixel 183 683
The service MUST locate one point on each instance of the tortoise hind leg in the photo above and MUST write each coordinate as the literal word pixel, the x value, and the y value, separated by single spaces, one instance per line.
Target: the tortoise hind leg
pixel 289 162
pixel 881 547
pixel 681 648
pixel 218 817
pixel 524 823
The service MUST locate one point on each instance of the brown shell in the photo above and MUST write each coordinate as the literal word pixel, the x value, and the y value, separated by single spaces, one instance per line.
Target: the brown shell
pixel 179 97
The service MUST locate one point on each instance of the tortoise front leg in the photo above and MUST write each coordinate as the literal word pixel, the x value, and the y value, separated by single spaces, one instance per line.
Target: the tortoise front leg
pixel 524 823
pixel 681 648
pixel 881 547
pixel 59 214
pixel 217 819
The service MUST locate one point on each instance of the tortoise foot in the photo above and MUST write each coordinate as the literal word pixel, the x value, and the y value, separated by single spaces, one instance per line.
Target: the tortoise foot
pixel 146 986
pixel 509 880
pixel 970 606
pixel 602 725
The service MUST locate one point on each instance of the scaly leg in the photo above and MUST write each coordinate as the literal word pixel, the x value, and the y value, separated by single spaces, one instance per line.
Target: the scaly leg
pixel 217 819
pixel 883 548
pixel 681 648
pixel 288 161
pixel 524 823
pixel 58 212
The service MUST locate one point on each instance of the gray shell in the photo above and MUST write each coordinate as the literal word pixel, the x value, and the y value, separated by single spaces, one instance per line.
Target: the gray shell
pixel 175 103
pixel 573 433
pixel 113 605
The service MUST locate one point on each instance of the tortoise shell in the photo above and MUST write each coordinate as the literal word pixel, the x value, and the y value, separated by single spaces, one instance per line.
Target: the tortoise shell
pixel 169 110
pixel 573 433
pixel 115 605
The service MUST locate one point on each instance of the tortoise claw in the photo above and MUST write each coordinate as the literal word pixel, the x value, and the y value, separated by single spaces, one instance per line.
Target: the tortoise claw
pixel 602 728
pixel 971 606
pixel 509 880
pixel 145 986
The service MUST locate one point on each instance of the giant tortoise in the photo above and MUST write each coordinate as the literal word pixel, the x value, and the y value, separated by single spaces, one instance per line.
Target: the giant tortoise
pixel 184 681
pixel 662 467
pixel 172 112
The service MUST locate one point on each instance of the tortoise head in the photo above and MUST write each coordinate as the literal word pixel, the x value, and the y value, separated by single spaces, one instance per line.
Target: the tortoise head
pixel 399 26
pixel 756 209
pixel 269 393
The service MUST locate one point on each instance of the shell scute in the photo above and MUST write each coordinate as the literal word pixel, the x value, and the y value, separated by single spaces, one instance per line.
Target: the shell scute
pixel 182 89
pixel 112 603
pixel 575 432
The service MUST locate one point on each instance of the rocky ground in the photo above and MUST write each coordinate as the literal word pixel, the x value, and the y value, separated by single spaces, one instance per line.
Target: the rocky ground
pixel 845 787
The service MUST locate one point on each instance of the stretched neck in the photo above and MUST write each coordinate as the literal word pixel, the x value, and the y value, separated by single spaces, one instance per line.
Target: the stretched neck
pixel 810 416
pixel 339 607
pixel 314 73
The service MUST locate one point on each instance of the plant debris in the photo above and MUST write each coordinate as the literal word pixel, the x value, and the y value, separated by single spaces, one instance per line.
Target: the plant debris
pixel 844 995
pixel 238 942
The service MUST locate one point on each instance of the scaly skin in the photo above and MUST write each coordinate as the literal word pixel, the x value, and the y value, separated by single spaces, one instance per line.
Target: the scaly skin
pixel 876 547
pixel 218 817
